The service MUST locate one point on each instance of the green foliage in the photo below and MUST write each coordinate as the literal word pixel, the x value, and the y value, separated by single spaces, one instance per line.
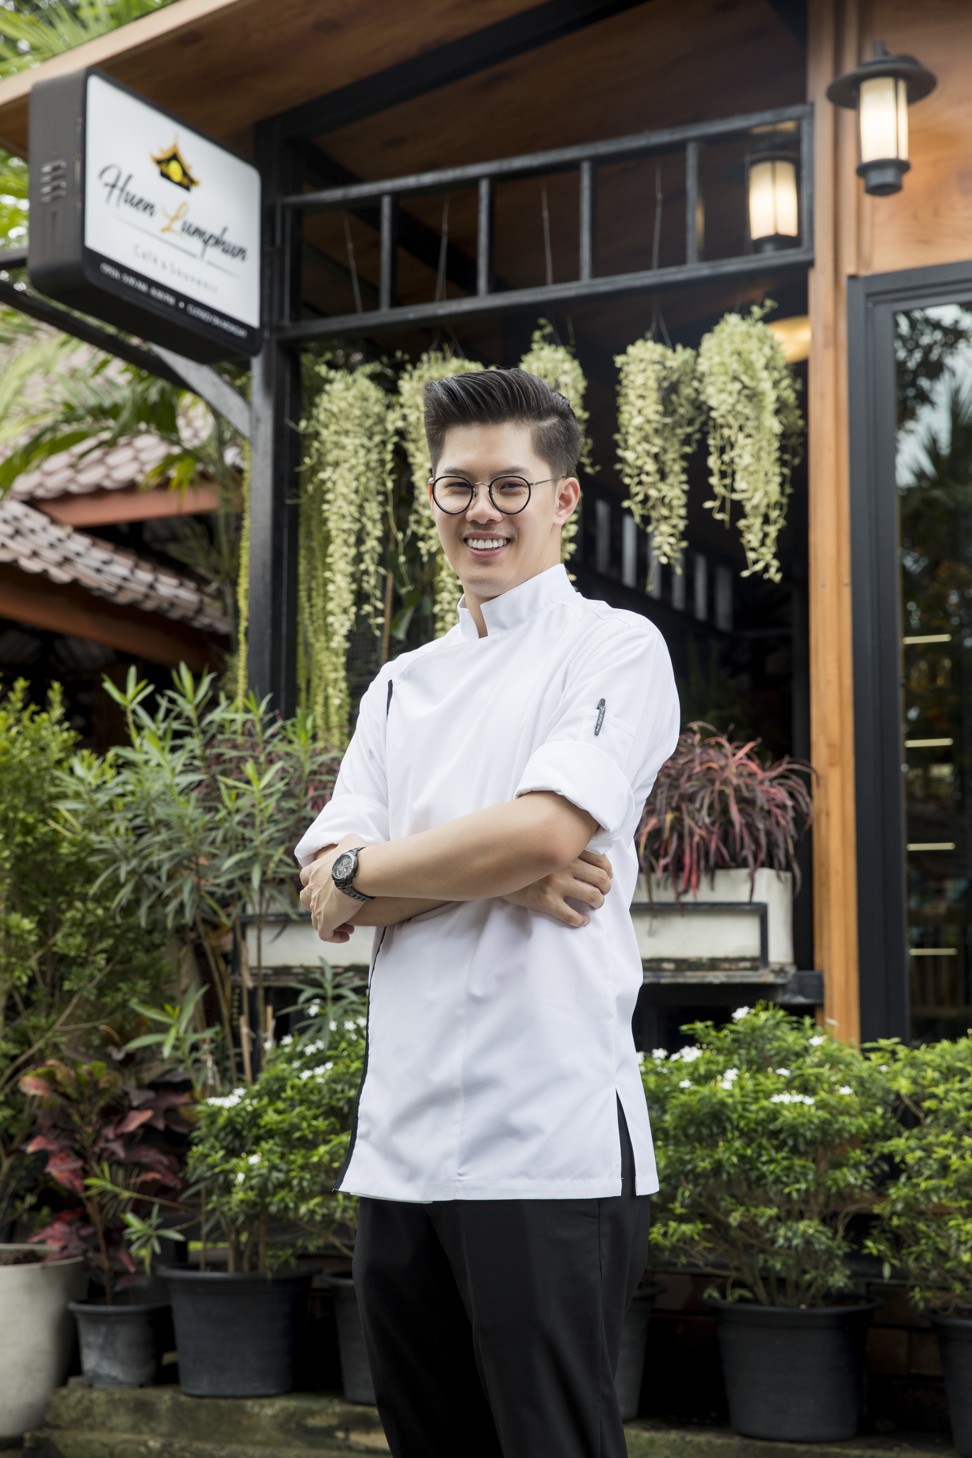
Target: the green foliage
pixel 926 1210
pixel 769 1135
pixel 715 805
pixel 659 419
pixel 344 508
pixel 755 431
pixel 197 816
pixel 68 959
pixel 265 1158
pixel 559 367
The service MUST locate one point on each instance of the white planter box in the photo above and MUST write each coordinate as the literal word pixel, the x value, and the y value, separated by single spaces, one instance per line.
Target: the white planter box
pixel 287 944
pixel 36 1337
pixel 720 926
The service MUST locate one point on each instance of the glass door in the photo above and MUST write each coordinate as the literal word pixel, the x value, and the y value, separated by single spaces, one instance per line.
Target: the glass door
pixel 933 477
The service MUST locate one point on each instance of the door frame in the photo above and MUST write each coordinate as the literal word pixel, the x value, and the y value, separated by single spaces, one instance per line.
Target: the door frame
pixel 876 604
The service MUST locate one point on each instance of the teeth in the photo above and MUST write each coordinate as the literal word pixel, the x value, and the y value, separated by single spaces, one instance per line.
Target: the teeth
pixel 486 544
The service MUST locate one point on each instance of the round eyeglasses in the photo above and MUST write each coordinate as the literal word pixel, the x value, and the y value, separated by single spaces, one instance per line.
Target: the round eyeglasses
pixel 509 494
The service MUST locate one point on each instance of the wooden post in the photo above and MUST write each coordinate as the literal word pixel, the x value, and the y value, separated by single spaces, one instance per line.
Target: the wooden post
pixel 832 48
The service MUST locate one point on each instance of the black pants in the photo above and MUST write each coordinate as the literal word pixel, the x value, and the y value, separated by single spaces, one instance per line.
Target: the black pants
pixel 493 1326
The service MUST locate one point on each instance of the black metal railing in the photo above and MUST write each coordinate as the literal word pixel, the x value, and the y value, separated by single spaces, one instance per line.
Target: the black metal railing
pixel 389 196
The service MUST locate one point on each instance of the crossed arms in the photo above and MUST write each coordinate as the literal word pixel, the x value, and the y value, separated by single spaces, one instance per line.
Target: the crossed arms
pixel 529 851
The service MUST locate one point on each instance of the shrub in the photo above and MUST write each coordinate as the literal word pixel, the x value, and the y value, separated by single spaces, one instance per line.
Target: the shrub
pixel 769 1139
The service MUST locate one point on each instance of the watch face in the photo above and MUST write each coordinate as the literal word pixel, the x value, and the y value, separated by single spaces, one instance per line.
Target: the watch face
pixel 343 866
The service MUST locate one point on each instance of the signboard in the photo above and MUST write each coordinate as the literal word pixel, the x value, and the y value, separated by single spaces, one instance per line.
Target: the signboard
pixel 142 221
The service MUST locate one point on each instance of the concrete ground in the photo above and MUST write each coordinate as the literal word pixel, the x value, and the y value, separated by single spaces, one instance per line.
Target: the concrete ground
pixel 160 1422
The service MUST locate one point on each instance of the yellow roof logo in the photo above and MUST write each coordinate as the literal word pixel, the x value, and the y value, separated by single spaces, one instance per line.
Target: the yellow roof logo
pixel 174 167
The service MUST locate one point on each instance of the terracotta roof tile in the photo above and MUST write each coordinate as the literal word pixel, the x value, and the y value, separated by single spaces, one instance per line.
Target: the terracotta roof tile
pixel 36 544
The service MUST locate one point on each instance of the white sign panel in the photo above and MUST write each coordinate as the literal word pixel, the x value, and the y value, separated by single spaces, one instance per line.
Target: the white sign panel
pixel 170 219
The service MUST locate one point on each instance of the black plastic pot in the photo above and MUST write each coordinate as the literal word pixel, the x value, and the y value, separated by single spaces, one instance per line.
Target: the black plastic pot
pixel 120 1345
pixel 355 1370
pixel 631 1358
pixel 236 1334
pixel 794 1374
pixel 955 1345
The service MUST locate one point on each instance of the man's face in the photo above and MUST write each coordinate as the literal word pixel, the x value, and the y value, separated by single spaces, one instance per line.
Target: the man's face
pixel 491 552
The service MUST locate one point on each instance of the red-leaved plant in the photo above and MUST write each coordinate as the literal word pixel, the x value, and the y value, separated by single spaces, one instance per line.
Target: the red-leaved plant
pixel 717 806
pixel 104 1141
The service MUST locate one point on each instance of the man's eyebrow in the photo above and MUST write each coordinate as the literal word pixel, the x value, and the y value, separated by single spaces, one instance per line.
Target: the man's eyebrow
pixel 504 471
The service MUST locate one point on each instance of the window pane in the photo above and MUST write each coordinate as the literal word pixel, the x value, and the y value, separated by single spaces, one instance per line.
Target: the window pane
pixel 934 495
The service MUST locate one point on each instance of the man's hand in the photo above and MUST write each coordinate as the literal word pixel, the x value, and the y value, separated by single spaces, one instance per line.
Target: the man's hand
pixel 588 879
pixel 332 913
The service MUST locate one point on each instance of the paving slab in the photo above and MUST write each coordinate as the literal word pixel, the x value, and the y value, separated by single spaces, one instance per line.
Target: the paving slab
pixel 161 1422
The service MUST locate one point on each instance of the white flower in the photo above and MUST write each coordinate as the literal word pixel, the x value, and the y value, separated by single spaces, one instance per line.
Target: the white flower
pixel 783 1072
pixel 314 1048
pixel 791 1098
pixel 659 1053
pixel 728 1078
pixel 333 1026
pixel 286 1040
pixel 253 1159
pixel 740 1013
pixel 350 1025
pixel 641 1058
pixel 685 1083
pixel 317 1072
pixel 314 1008
pixel 687 1055
pixel 845 1089
pixel 240 1177
pixel 226 1101
pixel 816 1040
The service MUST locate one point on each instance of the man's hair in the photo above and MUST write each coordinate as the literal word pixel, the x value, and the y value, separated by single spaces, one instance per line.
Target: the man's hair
pixel 504 397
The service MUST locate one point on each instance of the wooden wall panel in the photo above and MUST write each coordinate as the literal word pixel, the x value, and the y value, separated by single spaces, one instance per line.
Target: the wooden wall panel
pixel 832 47
pixel 930 221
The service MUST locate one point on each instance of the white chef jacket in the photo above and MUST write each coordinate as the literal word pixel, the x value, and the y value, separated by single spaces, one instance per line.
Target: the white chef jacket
pixel 499 1040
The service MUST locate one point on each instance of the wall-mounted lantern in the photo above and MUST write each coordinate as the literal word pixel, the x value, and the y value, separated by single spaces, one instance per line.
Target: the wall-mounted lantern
pixel 774 210
pixel 880 90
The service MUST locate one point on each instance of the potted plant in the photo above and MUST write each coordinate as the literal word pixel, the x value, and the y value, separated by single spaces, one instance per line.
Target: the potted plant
pixel 925 1212
pixel 103 1138
pixel 769 1138
pixel 68 962
pixel 263 1159
pixel 719 833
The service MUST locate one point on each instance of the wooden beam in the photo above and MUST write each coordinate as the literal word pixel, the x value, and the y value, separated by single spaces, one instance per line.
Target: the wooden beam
pixel 832 48
pixel 69 609
pixel 105 508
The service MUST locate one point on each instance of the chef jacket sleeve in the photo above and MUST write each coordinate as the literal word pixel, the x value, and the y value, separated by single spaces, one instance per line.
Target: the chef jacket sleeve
pixel 359 804
pixel 616 725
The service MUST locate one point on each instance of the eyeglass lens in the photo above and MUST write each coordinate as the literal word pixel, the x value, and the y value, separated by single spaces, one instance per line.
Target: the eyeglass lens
pixel 509 494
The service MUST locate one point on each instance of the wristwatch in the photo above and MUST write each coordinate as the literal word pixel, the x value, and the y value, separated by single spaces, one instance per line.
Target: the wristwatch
pixel 343 872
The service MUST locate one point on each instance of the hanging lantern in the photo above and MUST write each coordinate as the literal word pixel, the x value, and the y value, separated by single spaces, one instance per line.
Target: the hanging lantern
pixel 774 209
pixel 880 90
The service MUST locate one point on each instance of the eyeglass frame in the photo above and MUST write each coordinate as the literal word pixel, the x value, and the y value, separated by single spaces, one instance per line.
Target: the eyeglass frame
pixel 475 485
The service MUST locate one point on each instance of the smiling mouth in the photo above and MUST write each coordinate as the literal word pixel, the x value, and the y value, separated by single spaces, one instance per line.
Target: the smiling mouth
pixel 486 546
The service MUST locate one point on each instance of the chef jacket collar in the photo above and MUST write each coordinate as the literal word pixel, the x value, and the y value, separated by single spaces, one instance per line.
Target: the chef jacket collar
pixel 520 604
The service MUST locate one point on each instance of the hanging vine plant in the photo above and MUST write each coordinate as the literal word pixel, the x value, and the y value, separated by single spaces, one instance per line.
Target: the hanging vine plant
pixel 343 517
pixel 560 369
pixel 659 419
pixel 755 431
pixel 408 429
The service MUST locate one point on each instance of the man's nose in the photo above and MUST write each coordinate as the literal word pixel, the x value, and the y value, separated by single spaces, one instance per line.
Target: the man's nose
pixel 481 506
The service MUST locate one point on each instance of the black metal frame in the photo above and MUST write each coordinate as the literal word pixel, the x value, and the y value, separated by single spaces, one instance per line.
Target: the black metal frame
pixel 879 751
pixel 386 198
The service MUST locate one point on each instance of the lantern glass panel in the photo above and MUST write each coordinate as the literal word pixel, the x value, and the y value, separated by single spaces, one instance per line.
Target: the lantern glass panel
pixel 773 210
pixel 883 119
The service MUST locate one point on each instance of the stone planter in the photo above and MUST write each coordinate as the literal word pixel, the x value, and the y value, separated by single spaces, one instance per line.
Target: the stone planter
pixel 355 1371
pixel 793 1374
pixel 721 926
pixel 36 1335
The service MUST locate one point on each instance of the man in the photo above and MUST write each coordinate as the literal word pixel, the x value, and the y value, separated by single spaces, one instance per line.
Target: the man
pixel 502 1148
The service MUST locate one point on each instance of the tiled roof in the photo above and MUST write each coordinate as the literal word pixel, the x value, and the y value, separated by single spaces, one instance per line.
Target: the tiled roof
pixel 80 470
pixel 33 542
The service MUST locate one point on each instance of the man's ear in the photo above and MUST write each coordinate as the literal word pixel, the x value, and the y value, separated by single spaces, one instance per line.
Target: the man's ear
pixel 568 495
